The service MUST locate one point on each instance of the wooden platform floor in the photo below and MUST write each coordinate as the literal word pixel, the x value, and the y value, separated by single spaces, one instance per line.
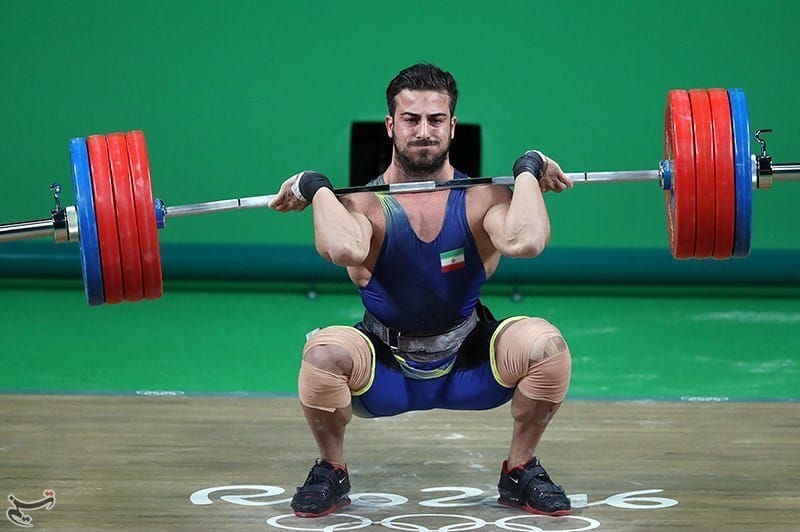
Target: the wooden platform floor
pixel 152 463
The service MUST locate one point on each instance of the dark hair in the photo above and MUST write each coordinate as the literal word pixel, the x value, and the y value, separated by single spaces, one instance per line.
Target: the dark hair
pixel 422 77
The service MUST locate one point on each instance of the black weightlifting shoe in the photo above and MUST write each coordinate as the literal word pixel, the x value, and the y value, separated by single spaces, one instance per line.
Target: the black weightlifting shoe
pixel 325 491
pixel 529 487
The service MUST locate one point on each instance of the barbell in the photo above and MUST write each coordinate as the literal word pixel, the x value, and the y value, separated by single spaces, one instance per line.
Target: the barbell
pixel 707 175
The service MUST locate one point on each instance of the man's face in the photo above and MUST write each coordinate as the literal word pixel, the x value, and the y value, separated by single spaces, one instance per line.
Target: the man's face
pixel 421 131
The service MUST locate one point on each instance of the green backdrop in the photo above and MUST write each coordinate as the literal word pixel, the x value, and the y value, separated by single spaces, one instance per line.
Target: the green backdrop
pixel 235 96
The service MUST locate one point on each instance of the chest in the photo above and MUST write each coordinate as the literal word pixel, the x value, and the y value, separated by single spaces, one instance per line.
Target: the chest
pixel 425 212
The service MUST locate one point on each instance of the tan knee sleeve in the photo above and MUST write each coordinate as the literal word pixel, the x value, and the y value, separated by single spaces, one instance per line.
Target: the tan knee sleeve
pixel 532 355
pixel 326 390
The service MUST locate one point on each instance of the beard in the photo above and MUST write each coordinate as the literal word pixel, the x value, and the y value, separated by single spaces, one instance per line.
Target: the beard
pixel 421 164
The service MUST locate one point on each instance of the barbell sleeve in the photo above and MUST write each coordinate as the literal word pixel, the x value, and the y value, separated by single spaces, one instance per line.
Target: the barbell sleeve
pixel 29 229
pixel 251 202
pixel 611 177
pixel 786 172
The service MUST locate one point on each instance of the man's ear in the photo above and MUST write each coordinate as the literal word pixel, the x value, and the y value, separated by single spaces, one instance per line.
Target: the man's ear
pixel 389 126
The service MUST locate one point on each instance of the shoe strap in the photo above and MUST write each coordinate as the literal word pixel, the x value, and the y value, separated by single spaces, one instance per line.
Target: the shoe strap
pixel 536 478
pixel 320 478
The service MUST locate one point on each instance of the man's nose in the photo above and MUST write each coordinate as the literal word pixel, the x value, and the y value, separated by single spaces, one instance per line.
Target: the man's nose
pixel 423 130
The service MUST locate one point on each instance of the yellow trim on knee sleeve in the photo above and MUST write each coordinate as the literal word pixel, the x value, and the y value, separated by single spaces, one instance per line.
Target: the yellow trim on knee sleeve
pixel 363 390
pixel 493 355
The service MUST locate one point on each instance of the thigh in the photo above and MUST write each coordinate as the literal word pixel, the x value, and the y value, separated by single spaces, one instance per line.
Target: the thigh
pixel 475 383
pixel 387 393
pixel 475 388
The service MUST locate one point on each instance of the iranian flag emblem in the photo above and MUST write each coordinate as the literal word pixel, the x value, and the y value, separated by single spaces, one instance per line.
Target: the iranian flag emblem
pixel 452 260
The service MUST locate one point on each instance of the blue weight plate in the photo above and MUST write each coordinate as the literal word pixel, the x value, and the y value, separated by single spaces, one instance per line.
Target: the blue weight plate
pixel 743 172
pixel 87 222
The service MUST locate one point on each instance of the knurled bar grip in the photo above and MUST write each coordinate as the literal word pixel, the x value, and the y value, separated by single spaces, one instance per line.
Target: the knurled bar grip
pixel 254 202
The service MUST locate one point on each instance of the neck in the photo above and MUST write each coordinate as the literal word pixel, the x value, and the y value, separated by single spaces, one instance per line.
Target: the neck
pixel 397 174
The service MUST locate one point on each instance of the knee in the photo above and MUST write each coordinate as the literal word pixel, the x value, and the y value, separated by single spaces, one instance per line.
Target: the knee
pixel 542 340
pixel 548 379
pixel 528 341
pixel 335 360
pixel 326 357
pixel 341 351
pixel 321 353
pixel 533 355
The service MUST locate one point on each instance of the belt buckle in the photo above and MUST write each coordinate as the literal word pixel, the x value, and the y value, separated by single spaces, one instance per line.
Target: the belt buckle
pixel 393 339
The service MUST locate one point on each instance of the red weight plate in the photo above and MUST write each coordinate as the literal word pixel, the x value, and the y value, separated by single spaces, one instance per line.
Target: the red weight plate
pixel 145 215
pixel 704 173
pixel 126 217
pixel 680 200
pixel 106 213
pixel 724 171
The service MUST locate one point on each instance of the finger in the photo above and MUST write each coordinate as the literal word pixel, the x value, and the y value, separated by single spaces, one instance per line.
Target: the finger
pixel 546 185
pixel 558 185
pixel 278 206
pixel 278 203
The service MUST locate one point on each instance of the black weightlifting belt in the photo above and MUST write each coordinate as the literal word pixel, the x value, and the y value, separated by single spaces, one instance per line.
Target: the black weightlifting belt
pixel 426 347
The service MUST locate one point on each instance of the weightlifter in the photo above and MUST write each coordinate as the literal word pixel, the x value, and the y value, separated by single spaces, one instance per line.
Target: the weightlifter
pixel 419 261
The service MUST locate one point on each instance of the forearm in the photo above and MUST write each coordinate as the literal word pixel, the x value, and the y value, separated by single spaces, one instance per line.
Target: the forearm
pixel 526 227
pixel 340 236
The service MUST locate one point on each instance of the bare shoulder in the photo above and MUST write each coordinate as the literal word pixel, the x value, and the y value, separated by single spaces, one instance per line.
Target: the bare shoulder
pixel 362 202
pixel 366 204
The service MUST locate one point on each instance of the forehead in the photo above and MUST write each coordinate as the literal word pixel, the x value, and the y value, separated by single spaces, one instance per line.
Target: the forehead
pixel 422 102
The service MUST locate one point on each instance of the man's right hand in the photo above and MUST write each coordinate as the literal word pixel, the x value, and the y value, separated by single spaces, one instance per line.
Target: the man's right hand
pixel 296 192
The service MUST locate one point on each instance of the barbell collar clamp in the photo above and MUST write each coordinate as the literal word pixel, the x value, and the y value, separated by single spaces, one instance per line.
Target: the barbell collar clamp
pixel 763 170
pixel 60 231
pixel 72 223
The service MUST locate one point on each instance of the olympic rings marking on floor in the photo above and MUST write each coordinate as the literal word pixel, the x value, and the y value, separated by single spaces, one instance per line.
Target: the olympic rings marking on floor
pixel 502 523
pixel 364 523
pixel 635 500
pixel 474 523
pixel 629 500
pixel 388 522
